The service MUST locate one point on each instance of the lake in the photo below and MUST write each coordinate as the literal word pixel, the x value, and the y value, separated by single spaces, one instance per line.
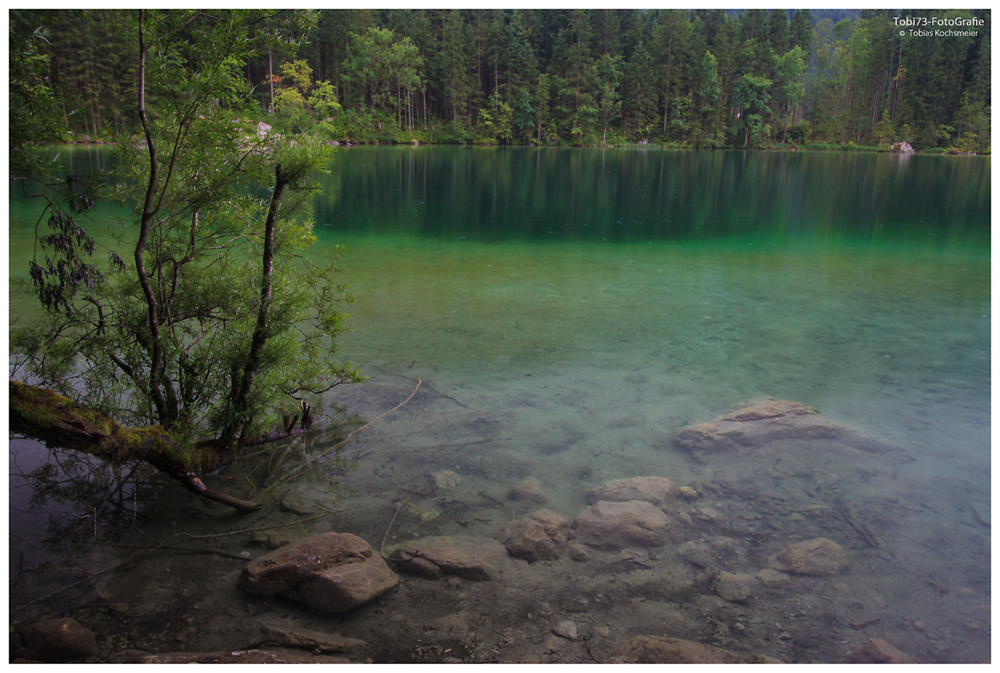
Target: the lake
pixel 565 313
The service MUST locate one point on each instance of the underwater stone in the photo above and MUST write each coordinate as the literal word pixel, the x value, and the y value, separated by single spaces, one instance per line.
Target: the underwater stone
pixel 656 490
pixel 578 552
pixel 566 629
pixel 445 480
pixel 754 424
pixel 538 536
pixel 878 651
pixel 614 525
pixel 687 493
pixel 471 558
pixel 820 556
pixel 529 489
pixel 333 572
pixel 773 580
pixel 733 587
pixel 58 641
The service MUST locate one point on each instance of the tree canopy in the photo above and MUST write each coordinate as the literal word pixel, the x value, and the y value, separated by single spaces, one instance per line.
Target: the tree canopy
pixel 680 76
pixel 207 320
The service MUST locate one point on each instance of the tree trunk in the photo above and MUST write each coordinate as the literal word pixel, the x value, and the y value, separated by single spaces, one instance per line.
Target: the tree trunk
pixel 234 436
pixel 146 224
pixel 51 418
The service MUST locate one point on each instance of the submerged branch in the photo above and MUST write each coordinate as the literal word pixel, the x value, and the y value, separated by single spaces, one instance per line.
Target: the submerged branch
pixel 52 418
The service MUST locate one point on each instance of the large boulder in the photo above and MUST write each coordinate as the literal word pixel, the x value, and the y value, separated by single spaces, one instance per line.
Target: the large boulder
pixel 614 525
pixel 471 558
pixel 819 556
pixel 664 650
pixel 58 641
pixel 541 535
pixel 755 424
pixel 333 572
pixel 656 490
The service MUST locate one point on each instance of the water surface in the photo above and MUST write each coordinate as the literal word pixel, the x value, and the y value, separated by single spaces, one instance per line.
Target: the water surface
pixel 567 311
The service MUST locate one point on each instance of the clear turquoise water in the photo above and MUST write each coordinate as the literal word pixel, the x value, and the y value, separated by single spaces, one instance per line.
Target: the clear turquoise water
pixel 819 277
pixel 586 304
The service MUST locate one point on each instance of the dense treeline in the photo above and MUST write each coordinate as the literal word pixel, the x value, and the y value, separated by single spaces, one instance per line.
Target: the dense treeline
pixel 708 78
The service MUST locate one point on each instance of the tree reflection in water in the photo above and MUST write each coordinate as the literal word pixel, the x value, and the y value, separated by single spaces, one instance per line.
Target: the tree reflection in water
pixel 67 511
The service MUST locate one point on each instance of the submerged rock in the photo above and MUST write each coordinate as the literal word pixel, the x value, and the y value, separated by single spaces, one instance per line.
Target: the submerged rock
pixel 664 650
pixel 755 424
pixel 820 556
pixel 656 490
pixel 58 641
pixel 773 580
pixel 333 572
pixel 734 587
pixel 529 489
pixel 688 493
pixel 877 651
pixel 538 536
pixel 471 558
pixel 613 525
pixel 286 635
pixel 445 481
pixel 566 629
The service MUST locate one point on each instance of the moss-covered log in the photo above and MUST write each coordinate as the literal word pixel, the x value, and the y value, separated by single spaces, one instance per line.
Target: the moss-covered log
pixel 59 421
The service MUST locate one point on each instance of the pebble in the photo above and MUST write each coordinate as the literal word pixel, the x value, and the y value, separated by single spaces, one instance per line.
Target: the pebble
pixel 688 493
pixel 565 629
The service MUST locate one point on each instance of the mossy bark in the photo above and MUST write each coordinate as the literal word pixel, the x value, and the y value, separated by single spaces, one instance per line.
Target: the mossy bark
pixel 59 421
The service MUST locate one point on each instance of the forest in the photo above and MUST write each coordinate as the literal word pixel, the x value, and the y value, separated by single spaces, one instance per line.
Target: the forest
pixel 682 78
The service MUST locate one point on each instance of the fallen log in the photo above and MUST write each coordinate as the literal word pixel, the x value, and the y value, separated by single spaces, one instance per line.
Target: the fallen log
pixel 58 421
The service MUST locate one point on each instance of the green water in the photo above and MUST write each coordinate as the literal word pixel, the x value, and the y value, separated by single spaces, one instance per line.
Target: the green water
pixel 571 309
pixel 820 277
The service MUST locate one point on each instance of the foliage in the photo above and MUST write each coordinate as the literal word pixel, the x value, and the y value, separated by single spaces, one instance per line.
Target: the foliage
pixel 324 100
pixel 678 77
pixel 34 113
pixel 221 318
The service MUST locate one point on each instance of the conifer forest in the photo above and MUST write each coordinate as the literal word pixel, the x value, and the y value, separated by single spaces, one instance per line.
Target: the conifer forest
pixel 682 78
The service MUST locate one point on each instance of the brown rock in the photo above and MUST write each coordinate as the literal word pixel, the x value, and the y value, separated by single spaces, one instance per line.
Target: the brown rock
pixel 333 572
pixel 663 650
pixel 529 489
pixel 284 635
pixel 734 587
pixel 471 558
pixel 757 423
pixel 445 481
pixel 655 490
pixel 613 525
pixel 538 536
pixel 818 556
pixel 773 580
pixel 58 641
pixel 877 651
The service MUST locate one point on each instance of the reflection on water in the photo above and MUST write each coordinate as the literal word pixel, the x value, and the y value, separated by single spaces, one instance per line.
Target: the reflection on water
pixel 568 312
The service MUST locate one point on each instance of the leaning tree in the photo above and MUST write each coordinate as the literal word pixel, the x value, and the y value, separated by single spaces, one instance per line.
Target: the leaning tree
pixel 207 324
